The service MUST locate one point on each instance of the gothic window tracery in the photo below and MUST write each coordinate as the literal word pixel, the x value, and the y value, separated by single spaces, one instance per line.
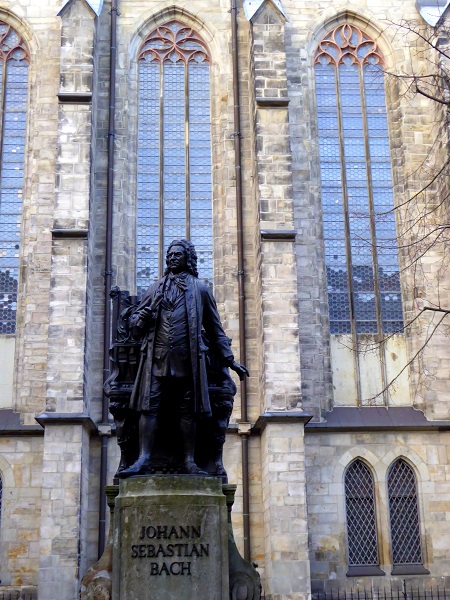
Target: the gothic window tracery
pixel 174 149
pixel 14 63
pixel 362 540
pixel 361 259
pixel 404 515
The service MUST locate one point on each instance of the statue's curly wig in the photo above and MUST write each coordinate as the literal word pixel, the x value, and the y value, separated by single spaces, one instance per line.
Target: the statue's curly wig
pixel 191 256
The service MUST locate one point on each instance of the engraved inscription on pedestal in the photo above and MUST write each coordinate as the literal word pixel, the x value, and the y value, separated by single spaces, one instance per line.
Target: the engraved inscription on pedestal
pixel 170 539
pixel 173 549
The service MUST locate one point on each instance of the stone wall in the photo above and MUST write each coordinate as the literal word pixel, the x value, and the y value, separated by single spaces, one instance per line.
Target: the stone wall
pixel 274 171
pixel 67 315
pixel 285 524
pixel 21 473
pixel 50 504
pixel 212 22
pixel 411 122
pixel 21 458
pixel 95 280
pixel 328 455
pixel 41 29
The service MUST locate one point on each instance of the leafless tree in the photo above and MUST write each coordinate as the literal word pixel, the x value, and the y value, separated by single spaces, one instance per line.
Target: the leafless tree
pixel 423 214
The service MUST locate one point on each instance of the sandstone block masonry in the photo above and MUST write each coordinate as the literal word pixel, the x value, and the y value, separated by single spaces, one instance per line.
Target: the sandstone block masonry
pixel 49 523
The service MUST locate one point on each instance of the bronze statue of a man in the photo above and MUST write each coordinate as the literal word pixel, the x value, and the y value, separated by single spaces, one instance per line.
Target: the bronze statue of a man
pixel 170 320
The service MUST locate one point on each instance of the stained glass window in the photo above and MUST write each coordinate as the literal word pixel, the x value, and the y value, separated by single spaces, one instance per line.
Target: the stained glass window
pixel 404 515
pixel 174 150
pixel 13 99
pixel 359 225
pixel 362 541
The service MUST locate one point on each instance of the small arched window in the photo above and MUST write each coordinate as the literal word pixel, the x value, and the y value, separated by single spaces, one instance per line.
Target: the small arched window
pixel 359 225
pixel 362 540
pixel 174 198
pixel 404 515
pixel 14 62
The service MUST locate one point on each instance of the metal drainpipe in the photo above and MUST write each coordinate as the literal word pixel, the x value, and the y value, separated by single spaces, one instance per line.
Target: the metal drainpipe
pixel 241 276
pixel 108 272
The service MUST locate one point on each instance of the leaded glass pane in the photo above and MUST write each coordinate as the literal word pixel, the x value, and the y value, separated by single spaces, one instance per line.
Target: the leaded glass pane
pixel 14 75
pixel 147 244
pixel 383 201
pixel 360 513
pixel 332 198
pixel 356 185
pixel 358 198
pixel 200 167
pixel 404 515
pixel 174 155
pixel 174 164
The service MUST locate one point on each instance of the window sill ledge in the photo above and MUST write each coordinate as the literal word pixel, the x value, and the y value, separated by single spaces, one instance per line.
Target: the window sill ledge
pixel 409 570
pixel 369 571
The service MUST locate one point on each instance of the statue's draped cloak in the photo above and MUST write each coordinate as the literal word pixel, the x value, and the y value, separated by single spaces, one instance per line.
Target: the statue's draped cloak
pixel 201 311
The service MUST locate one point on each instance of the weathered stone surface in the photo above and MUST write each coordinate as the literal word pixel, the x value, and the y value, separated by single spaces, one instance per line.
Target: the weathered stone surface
pixel 327 456
pixel 285 512
pixel 96 584
pixel 170 539
pixel 50 485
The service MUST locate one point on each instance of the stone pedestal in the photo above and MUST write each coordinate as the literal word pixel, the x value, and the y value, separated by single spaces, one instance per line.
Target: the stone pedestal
pixel 170 539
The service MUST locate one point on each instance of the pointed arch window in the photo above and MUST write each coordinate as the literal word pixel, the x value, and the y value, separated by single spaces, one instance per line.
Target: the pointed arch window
pixel 362 539
pixel 14 63
pixel 174 149
pixel 404 515
pixel 359 226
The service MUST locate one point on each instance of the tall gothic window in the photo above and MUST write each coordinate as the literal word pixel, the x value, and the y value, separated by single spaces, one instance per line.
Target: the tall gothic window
pixel 359 225
pixel 174 149
pixel 404 515
pixel 14 61
pixel 362 541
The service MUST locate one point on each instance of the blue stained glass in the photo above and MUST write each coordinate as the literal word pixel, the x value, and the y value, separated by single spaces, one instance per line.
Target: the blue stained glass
pixel 330 169
pixel 354 149
pixel 200 167
pixel 174 166
pixel 174 173
pixel 330 152
pixel 15 79
pixel 375 122
pixel 351 123
pixel 356 173
pixel 148 175
pixel 379 149
pixel 330 172
pixel 388 271
pixel 356 160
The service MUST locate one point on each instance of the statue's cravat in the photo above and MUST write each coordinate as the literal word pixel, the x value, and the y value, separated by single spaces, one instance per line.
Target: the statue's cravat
pixel 176 284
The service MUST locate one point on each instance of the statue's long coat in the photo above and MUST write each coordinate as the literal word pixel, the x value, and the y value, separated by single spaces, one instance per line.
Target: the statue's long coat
pixel 201 310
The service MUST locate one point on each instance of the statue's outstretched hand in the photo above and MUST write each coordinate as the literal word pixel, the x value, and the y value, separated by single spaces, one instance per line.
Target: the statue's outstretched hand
pixel 240 370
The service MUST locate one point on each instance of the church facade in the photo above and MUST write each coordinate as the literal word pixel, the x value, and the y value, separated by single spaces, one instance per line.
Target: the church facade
pixel 303 148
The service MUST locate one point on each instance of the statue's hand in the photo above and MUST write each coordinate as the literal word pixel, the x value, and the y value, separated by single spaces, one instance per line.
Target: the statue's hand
pixel 240 370
pixel 146 313
pixel 140 319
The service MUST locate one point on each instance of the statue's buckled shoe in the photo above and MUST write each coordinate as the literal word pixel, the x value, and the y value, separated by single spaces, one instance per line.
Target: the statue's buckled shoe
pixel 140 467
pixel 192 469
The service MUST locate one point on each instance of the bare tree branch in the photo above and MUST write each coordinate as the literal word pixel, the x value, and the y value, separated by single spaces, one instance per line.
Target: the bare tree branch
pixel 416 355
pixel 434 98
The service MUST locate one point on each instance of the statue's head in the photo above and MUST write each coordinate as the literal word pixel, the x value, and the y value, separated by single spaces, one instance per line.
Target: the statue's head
pixel 189 254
